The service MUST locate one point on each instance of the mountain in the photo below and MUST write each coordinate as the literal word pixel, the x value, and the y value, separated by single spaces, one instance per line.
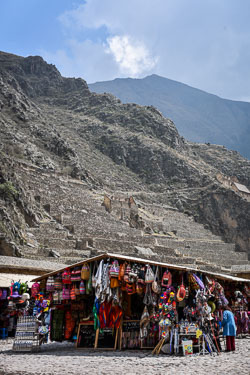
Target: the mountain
pixel 198 116
pixel 63 147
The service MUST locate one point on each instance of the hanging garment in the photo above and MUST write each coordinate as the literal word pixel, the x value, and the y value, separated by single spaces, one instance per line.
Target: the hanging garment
pixel 105 282
pixel 96 308
pixel 69 325
pixel 89 282
pixel 98 278
pixel 104 314
pixel 57 322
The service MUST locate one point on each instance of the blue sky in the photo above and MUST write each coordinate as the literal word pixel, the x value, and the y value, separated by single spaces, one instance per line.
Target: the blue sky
pixel 203 43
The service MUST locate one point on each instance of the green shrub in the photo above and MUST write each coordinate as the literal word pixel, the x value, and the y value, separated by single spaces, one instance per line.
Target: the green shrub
pixel 7 190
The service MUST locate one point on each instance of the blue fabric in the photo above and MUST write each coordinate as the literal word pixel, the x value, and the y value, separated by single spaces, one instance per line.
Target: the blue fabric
pixel 228 324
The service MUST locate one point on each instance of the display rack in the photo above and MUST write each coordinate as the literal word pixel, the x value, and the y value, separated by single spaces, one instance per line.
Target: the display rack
pixel 27 336
pixel 192 335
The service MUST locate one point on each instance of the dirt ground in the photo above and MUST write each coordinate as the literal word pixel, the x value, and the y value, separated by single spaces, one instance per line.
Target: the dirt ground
pixel 56 358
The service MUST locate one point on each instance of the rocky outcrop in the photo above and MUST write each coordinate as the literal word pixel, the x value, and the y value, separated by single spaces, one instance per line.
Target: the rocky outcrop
pixel 55 125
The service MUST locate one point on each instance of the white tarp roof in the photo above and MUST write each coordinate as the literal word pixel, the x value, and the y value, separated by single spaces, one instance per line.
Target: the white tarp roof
pixel 6 279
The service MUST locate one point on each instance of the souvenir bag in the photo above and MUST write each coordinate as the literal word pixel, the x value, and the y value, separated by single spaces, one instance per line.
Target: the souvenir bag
pixel 72 293
pixel 66 276
pixel 50 285
pixel 82 287
pixel 65 292
pixel 166 281
pixel 121 272
pixel 77 290
pixel 148 298
pixel 56 297
pixel 114 269
pixel 77 274
pixel 72 277
pixel 139 288
pixel 181 293
pixel 144 322
pixel 114 282
pixel 58 282
pixel 127 272
pixel 149 277
pixel 85 272
pixel 199 281
pixel 210 285
pixel 134 272
pixel 192 282
pixel 155 285
pixel 35 288
pixel 130 288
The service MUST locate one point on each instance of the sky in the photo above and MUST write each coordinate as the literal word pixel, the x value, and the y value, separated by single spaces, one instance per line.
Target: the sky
pixel 203 43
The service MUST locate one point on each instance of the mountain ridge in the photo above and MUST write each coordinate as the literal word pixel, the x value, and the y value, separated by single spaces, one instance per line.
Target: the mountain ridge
pixel 198 115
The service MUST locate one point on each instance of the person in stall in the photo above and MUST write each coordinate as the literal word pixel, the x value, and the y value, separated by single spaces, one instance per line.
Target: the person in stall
pixel 229 328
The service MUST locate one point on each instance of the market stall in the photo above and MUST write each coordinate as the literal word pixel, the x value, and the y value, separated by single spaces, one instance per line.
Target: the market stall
pixel 117 302
pixel 14 301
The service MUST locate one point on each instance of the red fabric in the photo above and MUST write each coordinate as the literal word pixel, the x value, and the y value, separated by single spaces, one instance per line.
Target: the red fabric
pixel 104 314
pixel 230 341
pixel 115 316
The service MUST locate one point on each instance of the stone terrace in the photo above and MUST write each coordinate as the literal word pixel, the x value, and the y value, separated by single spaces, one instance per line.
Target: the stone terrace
pixel 78 226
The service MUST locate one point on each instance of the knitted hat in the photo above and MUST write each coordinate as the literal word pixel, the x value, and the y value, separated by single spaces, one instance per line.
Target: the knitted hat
pixel 15 294
pixel 25 296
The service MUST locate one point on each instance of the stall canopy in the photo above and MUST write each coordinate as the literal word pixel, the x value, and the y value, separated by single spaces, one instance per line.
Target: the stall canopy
pixel 144 261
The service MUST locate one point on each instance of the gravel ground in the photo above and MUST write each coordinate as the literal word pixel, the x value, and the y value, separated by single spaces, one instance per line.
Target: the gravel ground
pixel 63 359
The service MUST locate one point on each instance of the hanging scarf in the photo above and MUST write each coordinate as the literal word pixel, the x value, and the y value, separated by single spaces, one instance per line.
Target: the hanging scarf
pixel 115 316
pixel 96 316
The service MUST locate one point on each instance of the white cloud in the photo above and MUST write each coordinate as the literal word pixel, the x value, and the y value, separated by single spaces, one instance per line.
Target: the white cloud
pixel 205 44
pixel 132 57
pixel 85 59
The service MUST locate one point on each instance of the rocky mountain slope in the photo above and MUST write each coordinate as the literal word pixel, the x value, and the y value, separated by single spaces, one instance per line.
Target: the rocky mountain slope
pixel 198 116
pixel 62 148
